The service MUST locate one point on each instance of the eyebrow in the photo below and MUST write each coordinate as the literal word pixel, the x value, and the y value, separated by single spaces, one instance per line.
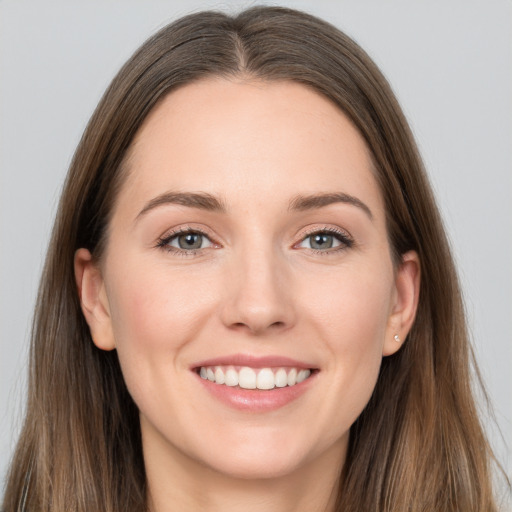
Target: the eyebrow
pixel 314 201
pixel 208 202
pixel 200 200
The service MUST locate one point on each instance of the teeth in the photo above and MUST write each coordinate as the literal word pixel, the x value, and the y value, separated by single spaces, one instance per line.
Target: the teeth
pixel 281 379
pixel 249 378
pixel 219 376
pixel 265 379
pixel 231 377
pixel 302 375
pixel 292 377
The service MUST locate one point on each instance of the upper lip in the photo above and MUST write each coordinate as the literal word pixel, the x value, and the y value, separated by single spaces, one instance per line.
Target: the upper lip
pixel 253 361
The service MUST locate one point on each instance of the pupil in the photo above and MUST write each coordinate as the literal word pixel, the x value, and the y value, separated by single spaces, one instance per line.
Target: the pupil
pixel 190 241
pixel 322 242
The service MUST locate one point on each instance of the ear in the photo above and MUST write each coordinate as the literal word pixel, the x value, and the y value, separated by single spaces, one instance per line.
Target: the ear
pixel 93 299
pixel 405 302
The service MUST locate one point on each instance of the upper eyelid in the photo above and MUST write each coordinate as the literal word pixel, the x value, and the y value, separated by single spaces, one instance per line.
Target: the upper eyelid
pixel 325 229
pixel 173 232
pixel 163 242
pixel 187 232
pixel 346 239
pixel 301 236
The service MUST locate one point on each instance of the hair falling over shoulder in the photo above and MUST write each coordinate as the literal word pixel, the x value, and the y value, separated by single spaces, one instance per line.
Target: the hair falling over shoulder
pixel 417 446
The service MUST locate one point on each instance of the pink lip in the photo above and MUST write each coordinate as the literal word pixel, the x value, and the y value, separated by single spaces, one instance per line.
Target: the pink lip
pixel 253 362
pixel 254 400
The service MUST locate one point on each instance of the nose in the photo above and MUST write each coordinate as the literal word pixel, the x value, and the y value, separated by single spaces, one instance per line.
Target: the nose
pixel 259 293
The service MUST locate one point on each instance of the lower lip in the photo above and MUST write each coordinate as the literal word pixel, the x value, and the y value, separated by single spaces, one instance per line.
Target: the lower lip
pixel 254 400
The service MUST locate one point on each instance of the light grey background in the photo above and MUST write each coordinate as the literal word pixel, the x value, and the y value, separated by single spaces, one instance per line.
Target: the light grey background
pixel 450 63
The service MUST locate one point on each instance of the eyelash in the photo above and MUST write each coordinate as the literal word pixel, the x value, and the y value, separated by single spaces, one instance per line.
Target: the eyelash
pixel 164 241
pixel 345 240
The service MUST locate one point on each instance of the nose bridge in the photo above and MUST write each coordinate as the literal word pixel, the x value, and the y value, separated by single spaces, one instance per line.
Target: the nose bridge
pixel 258 292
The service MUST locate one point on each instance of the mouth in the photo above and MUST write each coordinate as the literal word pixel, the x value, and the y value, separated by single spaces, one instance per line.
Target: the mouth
pixel 247 377
pixel 255 384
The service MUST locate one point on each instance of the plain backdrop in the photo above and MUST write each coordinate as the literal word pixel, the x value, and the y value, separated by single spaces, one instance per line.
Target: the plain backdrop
pixel 449 62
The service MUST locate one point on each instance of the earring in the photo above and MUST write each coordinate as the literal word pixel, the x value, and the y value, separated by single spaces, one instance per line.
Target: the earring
pixel 397 339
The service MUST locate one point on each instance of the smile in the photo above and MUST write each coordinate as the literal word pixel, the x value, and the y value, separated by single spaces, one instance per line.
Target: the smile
pixel 246 377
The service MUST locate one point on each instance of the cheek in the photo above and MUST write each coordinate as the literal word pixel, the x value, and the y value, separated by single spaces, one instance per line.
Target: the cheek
pixel 154 313
pixel 154 306
pixel 353 308
pixel 352 319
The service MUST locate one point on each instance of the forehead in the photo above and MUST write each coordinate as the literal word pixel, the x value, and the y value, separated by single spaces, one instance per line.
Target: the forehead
pixel 248 140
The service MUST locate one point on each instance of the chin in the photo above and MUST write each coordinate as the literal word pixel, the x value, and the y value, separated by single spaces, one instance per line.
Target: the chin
pixel 276 455
pixel 260 468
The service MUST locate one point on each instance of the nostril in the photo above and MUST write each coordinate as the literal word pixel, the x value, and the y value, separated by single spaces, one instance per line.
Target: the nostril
pixel 255 328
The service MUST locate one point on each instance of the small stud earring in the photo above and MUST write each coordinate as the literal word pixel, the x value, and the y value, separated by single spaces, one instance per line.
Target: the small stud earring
pixel 397 339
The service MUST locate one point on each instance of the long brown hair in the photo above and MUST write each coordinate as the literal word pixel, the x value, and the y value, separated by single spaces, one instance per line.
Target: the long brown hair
pixel 417 446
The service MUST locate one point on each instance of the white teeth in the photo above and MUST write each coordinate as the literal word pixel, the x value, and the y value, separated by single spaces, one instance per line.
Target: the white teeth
pixel 231 377
pixel 249 378
pixel 303 375
pixel 265 379
pixel 219 376
pixel 281 379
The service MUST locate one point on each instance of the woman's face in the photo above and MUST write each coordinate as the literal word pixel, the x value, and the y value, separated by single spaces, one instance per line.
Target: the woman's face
pixel 248 244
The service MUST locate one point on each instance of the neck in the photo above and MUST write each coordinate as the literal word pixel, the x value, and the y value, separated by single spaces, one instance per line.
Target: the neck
pixel 177 482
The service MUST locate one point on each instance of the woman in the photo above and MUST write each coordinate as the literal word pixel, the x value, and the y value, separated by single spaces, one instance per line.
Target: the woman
pixel 231 313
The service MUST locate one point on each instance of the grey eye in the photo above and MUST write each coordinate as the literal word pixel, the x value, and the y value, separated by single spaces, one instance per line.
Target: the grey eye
pixel 190 241
pixel 320 241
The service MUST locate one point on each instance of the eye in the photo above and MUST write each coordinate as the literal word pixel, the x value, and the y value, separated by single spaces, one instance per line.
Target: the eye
pixel 186 241
pixel 325 240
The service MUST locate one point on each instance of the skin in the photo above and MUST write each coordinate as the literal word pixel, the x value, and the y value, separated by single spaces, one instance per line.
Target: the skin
pixel 255 287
